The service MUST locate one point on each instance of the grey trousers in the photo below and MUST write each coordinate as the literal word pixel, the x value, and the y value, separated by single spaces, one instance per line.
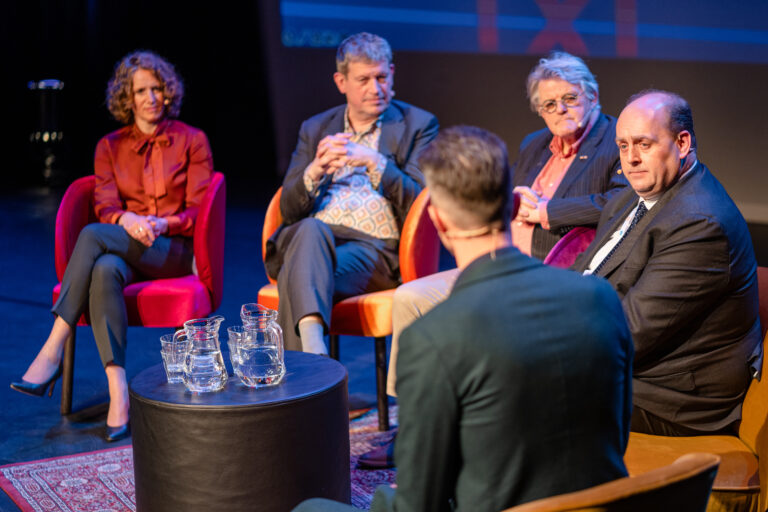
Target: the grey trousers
pixel 104 261
pixel 323 264
pixel 411 301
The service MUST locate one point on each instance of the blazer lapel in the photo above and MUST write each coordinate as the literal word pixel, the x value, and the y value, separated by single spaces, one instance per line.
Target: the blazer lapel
pixel 392 130
pixel 623 251
pixel 586 151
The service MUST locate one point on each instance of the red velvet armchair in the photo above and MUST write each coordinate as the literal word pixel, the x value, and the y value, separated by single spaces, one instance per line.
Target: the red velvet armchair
pixel 156 303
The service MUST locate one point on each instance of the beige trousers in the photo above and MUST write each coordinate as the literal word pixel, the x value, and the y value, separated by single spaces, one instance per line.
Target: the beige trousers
pixel 411 301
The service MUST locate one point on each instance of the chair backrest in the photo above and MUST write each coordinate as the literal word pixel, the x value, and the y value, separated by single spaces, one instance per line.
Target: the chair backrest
pixel 753 429
pixel 272 221
pixel 565 251
pixel 209 238
pixel 683 486
pixel 419 244
pixel 75 212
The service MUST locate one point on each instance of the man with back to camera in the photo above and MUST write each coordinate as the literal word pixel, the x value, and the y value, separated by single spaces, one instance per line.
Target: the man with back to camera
pixel 565 173
pixel 350 183
pixel 677 250
pixel 499 403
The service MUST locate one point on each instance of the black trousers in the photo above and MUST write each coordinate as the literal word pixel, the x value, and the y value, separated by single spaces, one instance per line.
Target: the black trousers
pixel 104 261
pixel 645 422
pixel 323 264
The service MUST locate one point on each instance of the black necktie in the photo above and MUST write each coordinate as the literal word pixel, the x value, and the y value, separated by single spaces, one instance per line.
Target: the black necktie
pixel 641 210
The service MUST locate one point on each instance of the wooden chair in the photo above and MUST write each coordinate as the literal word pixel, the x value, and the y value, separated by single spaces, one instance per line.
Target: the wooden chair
pixel 156 303
pixel 682 486
pixel 742 481
pixel 370 315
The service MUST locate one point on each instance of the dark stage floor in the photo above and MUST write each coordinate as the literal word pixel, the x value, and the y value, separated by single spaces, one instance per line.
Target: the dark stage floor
pixel 31 428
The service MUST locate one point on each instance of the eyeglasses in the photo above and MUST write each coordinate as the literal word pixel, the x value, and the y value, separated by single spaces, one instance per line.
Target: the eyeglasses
pixel 568 100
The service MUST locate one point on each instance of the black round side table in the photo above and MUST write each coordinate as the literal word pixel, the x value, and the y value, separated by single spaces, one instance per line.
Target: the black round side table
pixel 242 449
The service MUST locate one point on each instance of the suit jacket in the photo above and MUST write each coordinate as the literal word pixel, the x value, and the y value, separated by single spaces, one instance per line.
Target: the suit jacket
pixel 687 277
pixel 592 179
pixel 501 405
pixel 405 132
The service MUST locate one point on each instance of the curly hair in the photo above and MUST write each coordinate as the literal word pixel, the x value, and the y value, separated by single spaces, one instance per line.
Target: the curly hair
pixel 561 66
pixel 120 86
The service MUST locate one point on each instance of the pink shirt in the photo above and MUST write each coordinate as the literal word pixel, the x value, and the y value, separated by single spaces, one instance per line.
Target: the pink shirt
pixel 546 184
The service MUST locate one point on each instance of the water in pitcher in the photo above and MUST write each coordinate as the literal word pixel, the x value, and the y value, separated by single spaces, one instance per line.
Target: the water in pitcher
pixel 205 370
pixel 259 365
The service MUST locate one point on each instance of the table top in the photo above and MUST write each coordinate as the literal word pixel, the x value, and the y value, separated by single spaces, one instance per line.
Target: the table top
pixel 305 375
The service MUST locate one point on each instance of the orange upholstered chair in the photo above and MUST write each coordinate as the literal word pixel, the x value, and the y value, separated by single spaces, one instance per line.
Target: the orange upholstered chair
pixel 742 481
pixel 682 486
pixel 370 315
pixel 156 303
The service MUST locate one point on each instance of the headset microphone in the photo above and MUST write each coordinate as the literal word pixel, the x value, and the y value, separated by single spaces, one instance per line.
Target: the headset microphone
pixel 585 119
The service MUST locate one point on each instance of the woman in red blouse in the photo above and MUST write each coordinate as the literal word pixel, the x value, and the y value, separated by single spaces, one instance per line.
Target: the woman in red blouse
pixel 150 178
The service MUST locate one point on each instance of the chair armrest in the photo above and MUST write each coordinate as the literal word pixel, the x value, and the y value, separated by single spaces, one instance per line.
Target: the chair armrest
pixel 75 212
pixel 209 238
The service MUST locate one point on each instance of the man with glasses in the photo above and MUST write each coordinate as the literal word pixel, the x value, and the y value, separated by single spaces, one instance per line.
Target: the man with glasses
pixel 564 173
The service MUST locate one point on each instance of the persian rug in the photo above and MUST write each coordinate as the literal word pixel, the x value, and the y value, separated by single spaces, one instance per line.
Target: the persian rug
pixel 102 481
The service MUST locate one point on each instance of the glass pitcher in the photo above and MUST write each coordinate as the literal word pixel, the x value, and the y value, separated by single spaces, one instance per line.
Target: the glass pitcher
pixel 258 357
pixel 204 368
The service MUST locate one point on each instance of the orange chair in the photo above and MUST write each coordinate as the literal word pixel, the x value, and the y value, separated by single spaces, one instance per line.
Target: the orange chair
pixel 370 315
pixel 156 303
pixel 682 486
pixel 742 481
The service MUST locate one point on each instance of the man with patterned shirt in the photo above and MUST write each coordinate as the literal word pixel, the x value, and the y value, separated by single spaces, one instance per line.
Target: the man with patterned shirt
pixel 351 181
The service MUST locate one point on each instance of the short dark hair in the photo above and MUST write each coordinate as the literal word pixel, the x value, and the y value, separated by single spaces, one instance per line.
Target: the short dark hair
pixel 362 46
pixel 470 167
pixel 678 109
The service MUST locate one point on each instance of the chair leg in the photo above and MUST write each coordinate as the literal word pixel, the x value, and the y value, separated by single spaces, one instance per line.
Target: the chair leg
pixel 68 373
pixel 381 383
pixel 333 349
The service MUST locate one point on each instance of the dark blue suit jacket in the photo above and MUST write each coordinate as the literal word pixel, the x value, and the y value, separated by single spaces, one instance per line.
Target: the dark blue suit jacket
pixel 592 179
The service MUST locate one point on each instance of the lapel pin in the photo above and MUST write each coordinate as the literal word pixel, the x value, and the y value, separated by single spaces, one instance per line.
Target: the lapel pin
pixel 583 157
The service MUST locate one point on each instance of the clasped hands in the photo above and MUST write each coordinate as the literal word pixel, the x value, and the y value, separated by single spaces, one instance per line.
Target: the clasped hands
pixel 143 228
pixel 531 204
pixel 336 151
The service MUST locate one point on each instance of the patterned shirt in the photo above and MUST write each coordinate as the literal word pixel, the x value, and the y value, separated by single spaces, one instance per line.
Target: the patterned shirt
pixel 352 198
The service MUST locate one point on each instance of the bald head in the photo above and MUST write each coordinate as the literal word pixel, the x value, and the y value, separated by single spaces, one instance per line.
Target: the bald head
pixel 653 141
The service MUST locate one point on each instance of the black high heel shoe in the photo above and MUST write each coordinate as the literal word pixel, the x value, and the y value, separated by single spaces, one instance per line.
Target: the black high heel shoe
pixel 112 434
pixel 29 388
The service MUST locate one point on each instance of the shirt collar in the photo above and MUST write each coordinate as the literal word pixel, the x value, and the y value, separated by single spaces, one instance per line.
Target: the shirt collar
pixel 556 146
pixel 357 135
pixel 142 140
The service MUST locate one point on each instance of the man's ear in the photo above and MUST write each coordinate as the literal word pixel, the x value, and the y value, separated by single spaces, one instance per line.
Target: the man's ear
pixel 683 143
pixel 434 214
pixel 341 82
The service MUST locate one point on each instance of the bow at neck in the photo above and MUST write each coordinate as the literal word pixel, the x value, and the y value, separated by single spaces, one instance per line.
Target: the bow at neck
pixel 142 141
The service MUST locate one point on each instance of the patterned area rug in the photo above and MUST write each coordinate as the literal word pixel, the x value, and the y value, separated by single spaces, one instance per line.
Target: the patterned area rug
pixel 103 481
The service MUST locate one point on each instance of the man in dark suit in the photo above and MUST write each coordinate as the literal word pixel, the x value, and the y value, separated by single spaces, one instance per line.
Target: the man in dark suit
pixel 351 181
pixel 518 385
pixel 678 252
pixel 565 173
